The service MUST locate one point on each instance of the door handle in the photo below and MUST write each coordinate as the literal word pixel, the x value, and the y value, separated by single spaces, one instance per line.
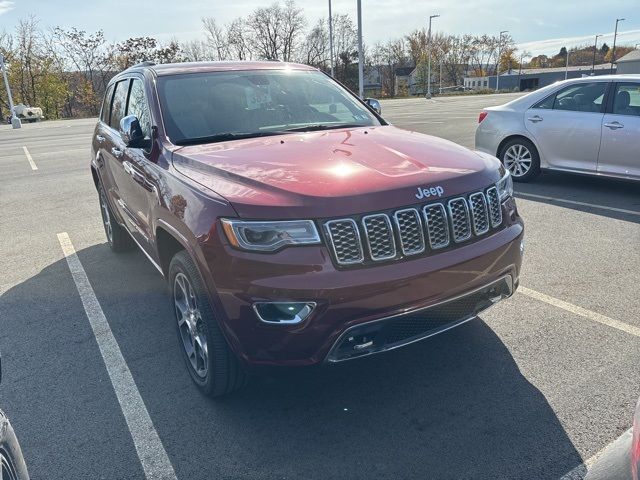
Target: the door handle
pixel 614 125
pixel 535 119
pixel 100 138
pixel 116 152
pixel 138 177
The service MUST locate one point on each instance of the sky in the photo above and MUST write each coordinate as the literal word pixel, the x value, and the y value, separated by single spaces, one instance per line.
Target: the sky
pixel 539 27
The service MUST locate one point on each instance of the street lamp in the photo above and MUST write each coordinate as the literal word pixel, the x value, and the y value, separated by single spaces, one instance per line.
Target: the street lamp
pixel 615 35
pixel 360 53
pixel 15 121
pixel 331 38
pixel 499 55
pixel 429 51
pixel 566 67
pixel 595 48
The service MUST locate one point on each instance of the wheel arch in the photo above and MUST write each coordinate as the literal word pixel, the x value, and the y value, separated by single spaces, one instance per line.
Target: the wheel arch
pixel 167 246
pixel 514 136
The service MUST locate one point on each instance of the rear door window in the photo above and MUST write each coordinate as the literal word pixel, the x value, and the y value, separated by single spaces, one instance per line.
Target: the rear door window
pixel 581 97
pixel 626 100
pixel 119 104
pixel 105 113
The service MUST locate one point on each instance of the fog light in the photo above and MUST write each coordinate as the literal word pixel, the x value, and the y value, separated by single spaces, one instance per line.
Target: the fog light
pixel 283 313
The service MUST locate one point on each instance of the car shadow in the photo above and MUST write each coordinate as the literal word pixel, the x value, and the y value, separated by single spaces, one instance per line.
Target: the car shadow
pixel 570 187
pixel 454 406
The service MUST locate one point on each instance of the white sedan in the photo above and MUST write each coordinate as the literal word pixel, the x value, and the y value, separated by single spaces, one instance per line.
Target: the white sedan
pixel 586 125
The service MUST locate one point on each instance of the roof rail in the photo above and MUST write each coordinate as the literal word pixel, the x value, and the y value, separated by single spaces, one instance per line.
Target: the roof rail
pixel 146 63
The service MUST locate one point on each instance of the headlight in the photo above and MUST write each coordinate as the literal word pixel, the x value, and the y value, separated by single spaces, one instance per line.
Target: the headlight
pixel 505 186
pixel 269 236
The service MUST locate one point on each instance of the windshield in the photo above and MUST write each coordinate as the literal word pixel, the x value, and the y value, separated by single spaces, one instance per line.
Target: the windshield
pixel 216 106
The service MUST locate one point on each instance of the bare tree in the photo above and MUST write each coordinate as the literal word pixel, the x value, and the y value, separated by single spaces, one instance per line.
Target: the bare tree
pixel 315 48
pixel 216 38
pixel 196 51
pixel 237 40
pixel 275 30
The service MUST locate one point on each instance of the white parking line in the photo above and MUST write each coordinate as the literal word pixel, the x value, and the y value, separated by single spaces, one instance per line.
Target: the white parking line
pixel 31 162
pixel 579 472
pixel 583 312
pixel 153 457
pixel 573 202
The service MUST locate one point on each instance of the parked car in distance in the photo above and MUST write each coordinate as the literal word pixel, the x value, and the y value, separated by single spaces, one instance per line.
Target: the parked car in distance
pixel 28 114
pixel 12 465
pixel 621 460
pixel 588 125
pixel 293 224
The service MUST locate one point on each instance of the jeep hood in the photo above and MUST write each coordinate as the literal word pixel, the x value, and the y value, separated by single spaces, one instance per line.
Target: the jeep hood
pixel 333 172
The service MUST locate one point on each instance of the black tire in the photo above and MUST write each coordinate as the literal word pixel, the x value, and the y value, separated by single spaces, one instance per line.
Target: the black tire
pixel 117 237
pixel 224 374
pixel 524 145
pixel 11 459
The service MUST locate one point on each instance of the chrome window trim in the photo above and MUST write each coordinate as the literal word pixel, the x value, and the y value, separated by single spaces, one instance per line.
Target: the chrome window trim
pixel 420 229
pixel 446 225
pixel 366 233
pixel 466 207
pixel 327 226
pixel 486 213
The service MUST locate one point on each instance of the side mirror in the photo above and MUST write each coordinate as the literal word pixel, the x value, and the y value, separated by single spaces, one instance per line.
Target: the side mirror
pixel 374 104
pixel 131 132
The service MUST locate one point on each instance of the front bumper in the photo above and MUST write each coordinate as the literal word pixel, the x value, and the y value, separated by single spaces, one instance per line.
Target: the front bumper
pixel 402 329
pixel 346 299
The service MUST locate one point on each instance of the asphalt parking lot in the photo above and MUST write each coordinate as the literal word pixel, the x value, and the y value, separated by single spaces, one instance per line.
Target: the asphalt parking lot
pixel 535 387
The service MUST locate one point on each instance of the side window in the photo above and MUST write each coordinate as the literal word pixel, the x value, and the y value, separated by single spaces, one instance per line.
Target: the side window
pixel 106 105
pixel 119 103
pixel 138 106
pixel 583 97
pixel 626 100
pixel 547 103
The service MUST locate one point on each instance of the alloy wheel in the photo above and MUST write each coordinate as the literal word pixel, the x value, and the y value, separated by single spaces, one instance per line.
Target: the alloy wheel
pixel 191 325
pixel 518 160
pixel 7 472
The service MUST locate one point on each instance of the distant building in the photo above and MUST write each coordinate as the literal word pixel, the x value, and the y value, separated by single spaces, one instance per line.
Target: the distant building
pixel 533 78
pixel 630 63
pixel 402 75
pixel 373 81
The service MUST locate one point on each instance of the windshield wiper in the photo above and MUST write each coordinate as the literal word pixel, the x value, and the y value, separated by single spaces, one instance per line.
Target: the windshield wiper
pixel 322 126
pixel 223 137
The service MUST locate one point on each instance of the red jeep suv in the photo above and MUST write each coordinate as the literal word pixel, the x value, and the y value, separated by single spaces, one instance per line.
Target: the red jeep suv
pixel 294 225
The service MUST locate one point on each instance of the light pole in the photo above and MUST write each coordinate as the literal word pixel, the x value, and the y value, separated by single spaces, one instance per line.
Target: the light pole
pixel 15 121
pixel 429 52
pixel 595 49
pixel 566 67
pixel 498 65
pixel 440 92
pixel 331 38
pixel 613 51
pixel 360 53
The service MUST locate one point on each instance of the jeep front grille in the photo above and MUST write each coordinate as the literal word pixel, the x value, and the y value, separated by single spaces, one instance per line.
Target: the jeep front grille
pixel 412 231
pixel 435 217
pixel 345 241
pixel 379 237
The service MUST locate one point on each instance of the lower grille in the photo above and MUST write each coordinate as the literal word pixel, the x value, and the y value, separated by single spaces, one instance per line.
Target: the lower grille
pixel 394 332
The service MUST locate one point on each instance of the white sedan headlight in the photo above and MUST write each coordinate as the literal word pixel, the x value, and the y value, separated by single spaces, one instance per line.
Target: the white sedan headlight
pixel 269 236
pixel 505 186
